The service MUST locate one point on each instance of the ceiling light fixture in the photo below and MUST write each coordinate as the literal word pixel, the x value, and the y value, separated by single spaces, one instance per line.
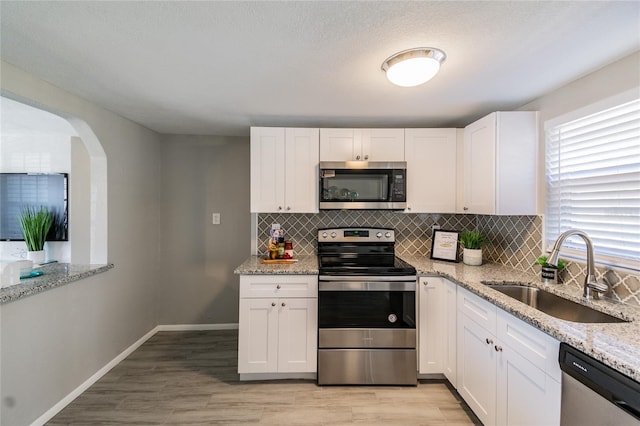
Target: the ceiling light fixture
pixel 413 67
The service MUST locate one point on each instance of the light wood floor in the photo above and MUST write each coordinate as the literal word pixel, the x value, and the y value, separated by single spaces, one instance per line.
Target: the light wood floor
pixel 189 378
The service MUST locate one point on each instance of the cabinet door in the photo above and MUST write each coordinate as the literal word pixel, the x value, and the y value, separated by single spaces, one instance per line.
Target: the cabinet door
pixel 267 171
pixel 433 326
pixel 431 156
pixel 516 173
pixel 479 166
pixel 297 335
pixel 477 368
pixel 258 336
pixel 451 343
pixel 340 144
pixel 382 145
pixel 525 394
pixel 301 181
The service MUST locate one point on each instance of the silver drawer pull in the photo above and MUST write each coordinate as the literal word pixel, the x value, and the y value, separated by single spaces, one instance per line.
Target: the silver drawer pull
pixel 489 341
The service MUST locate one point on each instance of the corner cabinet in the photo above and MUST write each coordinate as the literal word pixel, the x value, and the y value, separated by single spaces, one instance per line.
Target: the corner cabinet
pixel 437 327
pixel 284 170
pixel 277 331
pixel 362 145
pixel 508 371
pixel 431 156
pixel 499 164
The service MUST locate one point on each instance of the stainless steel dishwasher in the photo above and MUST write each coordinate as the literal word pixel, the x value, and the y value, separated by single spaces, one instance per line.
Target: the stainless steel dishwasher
pixel 594 393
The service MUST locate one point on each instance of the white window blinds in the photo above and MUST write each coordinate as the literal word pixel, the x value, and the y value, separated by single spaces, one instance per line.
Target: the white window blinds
pixel 593 182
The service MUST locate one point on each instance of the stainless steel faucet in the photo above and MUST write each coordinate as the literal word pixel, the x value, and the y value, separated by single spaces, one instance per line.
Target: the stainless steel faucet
pixel 592 288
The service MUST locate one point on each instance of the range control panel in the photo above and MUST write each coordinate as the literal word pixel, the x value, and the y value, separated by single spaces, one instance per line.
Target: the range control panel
pixel 363 235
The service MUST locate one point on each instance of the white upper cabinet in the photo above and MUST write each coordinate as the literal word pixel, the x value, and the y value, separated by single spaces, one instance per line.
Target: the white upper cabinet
pixel 500 164
pixel 431 156
pixel 362 144
pixel 284 170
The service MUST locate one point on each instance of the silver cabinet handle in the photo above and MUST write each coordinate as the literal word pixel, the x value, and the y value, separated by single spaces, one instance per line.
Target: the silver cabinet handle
pixel 288 208
pixel 408 207
pixel 279 207
pixel 284 304
pixel 366 157
pixel 489 341
pixel 465 208
pixel 498 348
pixel 278 287
pixel 273 303
pixel 357 157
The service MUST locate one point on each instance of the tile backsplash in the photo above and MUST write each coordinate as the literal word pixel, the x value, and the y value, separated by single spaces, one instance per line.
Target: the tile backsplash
pixel 515 241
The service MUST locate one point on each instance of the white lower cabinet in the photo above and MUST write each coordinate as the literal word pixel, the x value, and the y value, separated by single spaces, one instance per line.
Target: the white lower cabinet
pixel 437 330
pixel 278 324
pixel 507 369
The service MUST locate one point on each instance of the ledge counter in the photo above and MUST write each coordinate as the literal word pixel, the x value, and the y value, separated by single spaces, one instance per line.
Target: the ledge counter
pixel 55 275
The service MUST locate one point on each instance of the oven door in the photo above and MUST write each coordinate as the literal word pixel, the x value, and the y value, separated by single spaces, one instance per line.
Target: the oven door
pixel 367 302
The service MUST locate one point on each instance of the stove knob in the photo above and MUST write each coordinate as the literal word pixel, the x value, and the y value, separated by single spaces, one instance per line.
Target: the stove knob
pixel 324 235
pixel 379 235
pixel 333 235
pixel 388 235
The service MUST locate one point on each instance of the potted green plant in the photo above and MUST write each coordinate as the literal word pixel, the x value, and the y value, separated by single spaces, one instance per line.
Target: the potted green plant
pixel 472 242
pixel 550 274
pixel 35 223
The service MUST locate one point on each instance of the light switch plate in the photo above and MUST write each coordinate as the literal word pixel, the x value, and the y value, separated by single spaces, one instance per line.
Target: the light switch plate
pixel 215 218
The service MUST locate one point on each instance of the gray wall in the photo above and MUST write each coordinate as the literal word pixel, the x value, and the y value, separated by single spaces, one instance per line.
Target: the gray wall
pixel 200 176
pixel 52 342
pixel 611 80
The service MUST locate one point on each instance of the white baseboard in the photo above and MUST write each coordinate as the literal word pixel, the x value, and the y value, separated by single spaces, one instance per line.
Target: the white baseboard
pixel 197 327
pixel 50 413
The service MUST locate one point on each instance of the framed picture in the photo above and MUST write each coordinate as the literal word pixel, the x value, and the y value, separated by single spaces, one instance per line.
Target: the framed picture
pixel 444 245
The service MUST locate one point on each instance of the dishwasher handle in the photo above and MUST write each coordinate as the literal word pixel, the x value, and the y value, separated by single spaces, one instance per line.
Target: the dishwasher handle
pixel 626 407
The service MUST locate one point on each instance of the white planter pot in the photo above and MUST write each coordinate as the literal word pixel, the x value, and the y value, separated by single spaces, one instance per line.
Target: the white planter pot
pixel 36 256
pixel 472 257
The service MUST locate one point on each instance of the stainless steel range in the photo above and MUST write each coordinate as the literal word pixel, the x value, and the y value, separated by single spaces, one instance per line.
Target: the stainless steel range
pixel 366 309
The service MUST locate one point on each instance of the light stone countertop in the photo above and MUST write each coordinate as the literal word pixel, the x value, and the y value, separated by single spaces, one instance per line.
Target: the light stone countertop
pixel 306 265
pixel 55 275
pixel 615 344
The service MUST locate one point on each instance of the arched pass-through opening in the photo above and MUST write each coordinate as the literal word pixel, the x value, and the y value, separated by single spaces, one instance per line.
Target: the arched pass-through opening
pixel 89 242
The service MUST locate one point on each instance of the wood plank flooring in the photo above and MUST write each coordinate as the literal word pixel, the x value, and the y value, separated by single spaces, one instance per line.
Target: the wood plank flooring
pixel 190 378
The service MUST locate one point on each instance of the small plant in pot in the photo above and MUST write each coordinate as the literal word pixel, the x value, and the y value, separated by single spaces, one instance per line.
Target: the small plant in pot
pixel 550 274
pixel 35 223
pixel 472 242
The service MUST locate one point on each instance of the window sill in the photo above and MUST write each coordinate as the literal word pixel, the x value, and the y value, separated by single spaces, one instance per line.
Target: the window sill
pixel 55 275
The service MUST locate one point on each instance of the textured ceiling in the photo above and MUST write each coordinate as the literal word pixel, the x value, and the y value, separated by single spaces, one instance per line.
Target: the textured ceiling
pixel 220 67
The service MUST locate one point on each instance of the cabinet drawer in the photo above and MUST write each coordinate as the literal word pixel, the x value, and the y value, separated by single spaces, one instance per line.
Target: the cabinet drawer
pixel 534 345
pixel 477 309
pixel 252 286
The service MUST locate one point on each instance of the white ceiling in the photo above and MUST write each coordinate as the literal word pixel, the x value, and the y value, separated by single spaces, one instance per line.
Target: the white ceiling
pixel 219 67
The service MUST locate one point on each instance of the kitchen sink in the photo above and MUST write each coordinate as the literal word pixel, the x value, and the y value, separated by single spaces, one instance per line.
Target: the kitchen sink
pixel 553 305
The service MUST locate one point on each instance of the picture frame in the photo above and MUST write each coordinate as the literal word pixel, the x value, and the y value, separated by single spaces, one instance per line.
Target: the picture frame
pixel 444 245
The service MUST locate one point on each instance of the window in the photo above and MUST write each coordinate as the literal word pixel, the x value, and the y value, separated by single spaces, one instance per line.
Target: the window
pixel 593 180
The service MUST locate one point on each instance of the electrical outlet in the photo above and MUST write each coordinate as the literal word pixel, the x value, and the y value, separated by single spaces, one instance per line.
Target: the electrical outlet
pixel 434 227
pixel 215 218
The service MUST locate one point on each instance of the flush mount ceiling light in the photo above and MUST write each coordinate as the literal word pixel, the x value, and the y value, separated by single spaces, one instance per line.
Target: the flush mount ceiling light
pixel 413 67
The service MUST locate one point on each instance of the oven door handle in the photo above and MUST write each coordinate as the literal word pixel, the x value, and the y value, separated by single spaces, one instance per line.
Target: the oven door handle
pixel 368 278
pixel 366 286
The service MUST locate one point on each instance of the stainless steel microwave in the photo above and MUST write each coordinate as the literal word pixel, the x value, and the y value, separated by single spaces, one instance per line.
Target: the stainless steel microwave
pixel 363 185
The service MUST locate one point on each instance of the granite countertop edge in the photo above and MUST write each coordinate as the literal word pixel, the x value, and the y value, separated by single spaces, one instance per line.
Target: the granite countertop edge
pixel 615 344
pixel 55 275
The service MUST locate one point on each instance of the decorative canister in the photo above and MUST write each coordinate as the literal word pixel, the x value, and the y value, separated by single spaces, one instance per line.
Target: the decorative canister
pixel 288 250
